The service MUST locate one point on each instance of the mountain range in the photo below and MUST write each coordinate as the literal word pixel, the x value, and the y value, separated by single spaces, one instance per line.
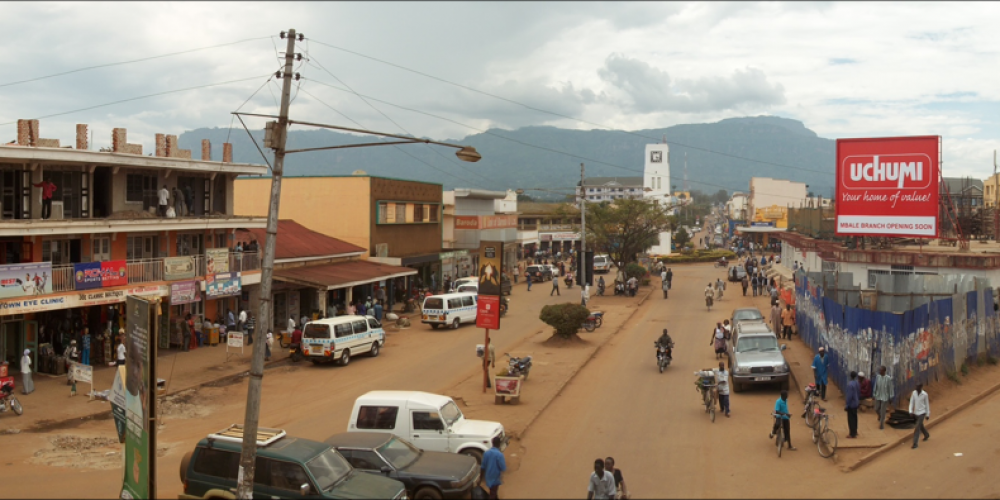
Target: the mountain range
pixel 545 161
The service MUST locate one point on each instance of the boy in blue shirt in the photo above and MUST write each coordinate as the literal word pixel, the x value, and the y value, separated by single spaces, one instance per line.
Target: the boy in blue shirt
pixel 781 408
pixel 493 467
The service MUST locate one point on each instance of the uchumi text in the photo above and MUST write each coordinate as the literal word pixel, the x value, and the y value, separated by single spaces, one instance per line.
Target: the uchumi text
pixel 877 171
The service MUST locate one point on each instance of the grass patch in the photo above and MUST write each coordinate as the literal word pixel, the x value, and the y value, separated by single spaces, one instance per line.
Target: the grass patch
pixel 965 370
pixel 991 360
pixel 954 377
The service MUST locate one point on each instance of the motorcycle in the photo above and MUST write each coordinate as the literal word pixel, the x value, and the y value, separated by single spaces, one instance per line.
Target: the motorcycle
pixel 504 305
pixel 722 263
pixel 9 401
pixel 619 288
pixel 594 321
pixel 600 289
pixel 664 354
pixel 569 281
pixel 295 353
pixel 518 366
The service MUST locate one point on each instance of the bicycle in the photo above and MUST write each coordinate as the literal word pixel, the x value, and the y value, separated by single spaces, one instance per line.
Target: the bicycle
pixel 824 437
pixel 779 435
pixel 709 395
pixel 811 403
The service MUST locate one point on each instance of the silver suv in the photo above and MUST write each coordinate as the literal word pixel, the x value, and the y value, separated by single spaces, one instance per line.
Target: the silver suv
pixel 755 357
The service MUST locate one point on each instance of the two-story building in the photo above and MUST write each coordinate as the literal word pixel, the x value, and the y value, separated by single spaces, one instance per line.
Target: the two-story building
pixel 472 216
pixel 397 222
pixel 598 189
pixel 81 230
pixel 556 224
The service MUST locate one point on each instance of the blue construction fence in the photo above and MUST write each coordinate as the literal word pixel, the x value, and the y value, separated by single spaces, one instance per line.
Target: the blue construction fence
pixel 921 345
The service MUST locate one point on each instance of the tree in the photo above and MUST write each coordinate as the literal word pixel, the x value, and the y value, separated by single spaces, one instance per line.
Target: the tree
pixel 525 197
pixel 625 228
pixel 720 196
pixel 565 318
pixel 681 238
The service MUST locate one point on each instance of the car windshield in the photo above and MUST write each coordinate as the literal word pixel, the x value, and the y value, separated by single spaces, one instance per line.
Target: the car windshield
pixel 328 468
pixel 450 413
pixel 399 453
pixel 747 314
pixel 433 303
pixel 748 344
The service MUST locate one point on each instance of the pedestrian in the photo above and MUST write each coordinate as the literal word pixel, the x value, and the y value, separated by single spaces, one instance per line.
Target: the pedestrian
pixel 377 310
pixel 517 272
pixel 251 326
pixel 787 321
pixel 85 359
pixel 746 284
pixel 781 408
pixel 722 385
pixel 362 309
pixel 302 321
pixel 164 198
pixel 188 331
pixel 331 310
pixel 231 320
pixel 755 284
pixel 883 393
pixel 853 397
pixel 621 491
pixel 48 189
pixel 189 199
pixel 820 366
pixel 269 341
pixel 670 278
pixel 27 384
pixel 179 206
pixel 602 483
pixel 920 409
pixel 243 320
pixel 718 340
pixel 776 318
pixel 665 285
pixel 291 325
pixel 555 286
pixel 493 467
pixel 584 295
pixel 351 309
pixel 527 278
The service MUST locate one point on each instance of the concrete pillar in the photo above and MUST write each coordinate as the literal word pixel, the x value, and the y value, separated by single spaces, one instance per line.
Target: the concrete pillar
pixel 118 140
pixel 227 152
pixel 349 298
pixel 36 193
pixel 206 150
pixel 321 301
pixel 161 145
pixel 81 136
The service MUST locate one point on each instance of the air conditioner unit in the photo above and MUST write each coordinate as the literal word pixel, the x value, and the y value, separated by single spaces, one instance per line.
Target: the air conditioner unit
pixel 58 210
pixel 382 250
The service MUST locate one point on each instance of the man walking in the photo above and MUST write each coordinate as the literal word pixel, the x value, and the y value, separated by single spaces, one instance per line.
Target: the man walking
pixel 882 394
pixel 377 310
pixel 670 278
pixel 243 320
pixel 27 385
pixel 555 286
pixel 602 483
pixel 920 409
pixel 746 284
pixel 787 321
pixel 820 366
pixel 493 467
pixel 722 385
pixel 853 396
pixel 584 295
pixel 48 189
pixel 755 284
pixel 527 278
pixel 164 196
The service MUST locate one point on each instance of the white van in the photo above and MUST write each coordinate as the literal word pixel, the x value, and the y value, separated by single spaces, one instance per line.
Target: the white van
pixel 339 338
pixel 430 421
pixel 449 309
pixel 602 263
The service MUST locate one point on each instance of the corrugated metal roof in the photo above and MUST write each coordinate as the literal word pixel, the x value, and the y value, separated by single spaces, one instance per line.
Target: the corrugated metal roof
pixel 296 241
pixel 342 274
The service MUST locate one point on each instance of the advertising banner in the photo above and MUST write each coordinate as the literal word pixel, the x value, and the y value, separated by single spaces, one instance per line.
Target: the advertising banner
pixel 184 292
pixel 466 222
pixel 20 280
pixel 114 273
pixel 888 186
pixel 178 268
pixel 137 387
pixel 216 260
pixel 87 275
pixel 118 402
pixel 222 285
pixel 490 276
pixel 498 221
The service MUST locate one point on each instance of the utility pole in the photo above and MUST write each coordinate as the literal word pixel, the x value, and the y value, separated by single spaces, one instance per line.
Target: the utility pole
pixel 249 454
pixel 580 273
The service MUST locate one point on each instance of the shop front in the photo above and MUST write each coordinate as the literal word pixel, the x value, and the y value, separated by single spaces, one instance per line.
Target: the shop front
pixel 428 269
pixel 456 264
pixel 341 283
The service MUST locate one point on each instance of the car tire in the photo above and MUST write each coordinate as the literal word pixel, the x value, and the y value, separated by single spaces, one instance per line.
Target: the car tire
pixel 455 324
pixel 345 358
pixel 427 493
pixel 474 453
pixel 374 351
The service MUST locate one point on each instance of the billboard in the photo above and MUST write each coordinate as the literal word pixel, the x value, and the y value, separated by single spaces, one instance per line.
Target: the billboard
pixel 87 275
pixel 137 398
pixel 216 260
pixel 114 273
pixel 222 285
pixel 888 186
pixel 490 277
pixel 19 280
pixel 184 292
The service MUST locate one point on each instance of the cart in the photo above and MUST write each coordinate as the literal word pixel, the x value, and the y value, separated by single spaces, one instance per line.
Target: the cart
pixel 505 387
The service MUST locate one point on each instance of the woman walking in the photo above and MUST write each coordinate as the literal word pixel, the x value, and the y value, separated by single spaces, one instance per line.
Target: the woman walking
pixel 718 340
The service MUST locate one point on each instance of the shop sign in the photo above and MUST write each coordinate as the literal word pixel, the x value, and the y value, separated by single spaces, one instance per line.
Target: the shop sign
pixel 216 260
pixel 114 273
pixel 19 280
pixel 222 285
pixel 888 186
pixel 29 305
pixel 184 292
pixel 762 224
pixel 118 402
pixel 137 397
pixel 234 339
pixel 80 372
pixel 178 268
pixel 498 221
pixel 466 222
pixel 87 275
pixel 565 236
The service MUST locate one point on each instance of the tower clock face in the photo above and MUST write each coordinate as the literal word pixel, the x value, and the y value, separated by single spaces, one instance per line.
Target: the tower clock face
pixel 656 156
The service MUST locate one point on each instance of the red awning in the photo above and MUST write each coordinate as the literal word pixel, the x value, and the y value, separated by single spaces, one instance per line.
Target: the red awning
pixel 342 274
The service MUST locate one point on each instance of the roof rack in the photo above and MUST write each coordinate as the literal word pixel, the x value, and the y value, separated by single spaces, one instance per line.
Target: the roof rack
pixel 234 434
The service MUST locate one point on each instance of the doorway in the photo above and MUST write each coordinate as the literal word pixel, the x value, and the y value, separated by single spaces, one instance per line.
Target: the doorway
pixel 10 343
pixel 219 194
pixel 102 192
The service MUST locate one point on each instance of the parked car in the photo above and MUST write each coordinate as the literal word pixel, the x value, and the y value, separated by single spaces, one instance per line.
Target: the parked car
pixel 756 358
pixel 450 309
pixel 746 315
pixel 602 264
pixel 542 268
pixel 425 474
pixel 339 338
pixel 429 421
pixel 741 272
pixel 286 467
pixel 471 284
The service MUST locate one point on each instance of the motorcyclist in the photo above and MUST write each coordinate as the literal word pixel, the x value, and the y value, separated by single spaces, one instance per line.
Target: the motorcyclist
pixel 600 285
pixel 666 341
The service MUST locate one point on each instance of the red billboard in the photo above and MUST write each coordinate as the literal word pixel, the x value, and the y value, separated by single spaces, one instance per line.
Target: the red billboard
pixel 888 186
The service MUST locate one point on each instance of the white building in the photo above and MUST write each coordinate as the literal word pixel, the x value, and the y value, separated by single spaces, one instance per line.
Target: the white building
pixel 767 192
pixel 736 208
pixel 656 187
pixel 598 189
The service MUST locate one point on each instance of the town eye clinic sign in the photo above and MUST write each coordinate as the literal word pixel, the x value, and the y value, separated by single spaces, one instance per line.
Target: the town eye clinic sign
pixel 888 186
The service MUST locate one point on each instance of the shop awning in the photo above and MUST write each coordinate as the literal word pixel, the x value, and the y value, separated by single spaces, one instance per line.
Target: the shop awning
pixel 342 274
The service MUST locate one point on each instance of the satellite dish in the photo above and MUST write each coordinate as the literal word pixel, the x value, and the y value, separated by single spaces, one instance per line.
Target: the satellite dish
pixel 359 172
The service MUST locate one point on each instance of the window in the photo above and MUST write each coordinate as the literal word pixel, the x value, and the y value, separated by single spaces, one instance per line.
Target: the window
pixel 418 212
pixel 433 303
pixel 467 301
pixel 217 463
pixel 343 330
pixel 287 476
pixel 400 213
pixel 433 213
pixel 390 212
pixel 374 324
pixel 190 244
pixel 377 417
pixel 873 275
pixel 454 303
pixel 137 186
pixel 359 326
pixel 427 421
pixel 383 212
pixel 100 249
pixel 142 247
pixel 316 331
pixel 363 459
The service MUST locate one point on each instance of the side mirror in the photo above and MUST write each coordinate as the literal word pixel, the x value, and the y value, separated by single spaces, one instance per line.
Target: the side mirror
pixel 783 346
pixel 305 489
pixel 386 470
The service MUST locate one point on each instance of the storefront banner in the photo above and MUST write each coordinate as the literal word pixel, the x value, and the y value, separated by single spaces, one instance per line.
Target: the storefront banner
pixel 29 305
pixel 216 260
pixel 466 222
pixel 19 280
pixel 184 292
pixel 565 236
pixel 114 273
pixel 118 402
pixel 87 275
pixel 137 386
pixel 178 268
pixel 222 285
pixel 498 221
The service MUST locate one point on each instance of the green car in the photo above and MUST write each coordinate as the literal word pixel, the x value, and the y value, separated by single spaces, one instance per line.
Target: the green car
pixel 287 467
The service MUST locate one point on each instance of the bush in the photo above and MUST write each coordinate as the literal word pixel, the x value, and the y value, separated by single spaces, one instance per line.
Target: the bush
pixel 965 370
pixel 565 318
pixel 634 270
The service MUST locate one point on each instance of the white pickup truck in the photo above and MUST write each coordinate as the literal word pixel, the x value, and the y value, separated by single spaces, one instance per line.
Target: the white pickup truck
pixel 429 421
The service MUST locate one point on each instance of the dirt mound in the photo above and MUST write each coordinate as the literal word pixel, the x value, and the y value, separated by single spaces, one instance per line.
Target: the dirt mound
pixel 557 341
pixel 184 404
pixel 80 452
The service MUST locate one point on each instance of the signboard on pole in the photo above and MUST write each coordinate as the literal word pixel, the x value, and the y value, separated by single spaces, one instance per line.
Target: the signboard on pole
pixel 490 276
pixel 137 397
pixel 888 187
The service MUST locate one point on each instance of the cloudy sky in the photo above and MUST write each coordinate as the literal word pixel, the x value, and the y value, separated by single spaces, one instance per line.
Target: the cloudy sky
pixel 858 69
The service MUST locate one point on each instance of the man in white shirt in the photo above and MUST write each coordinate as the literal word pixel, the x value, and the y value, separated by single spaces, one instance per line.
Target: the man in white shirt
pixel 291 325
pixel 602 483
pixel 243 319
pixel 164 200
pixel 920 409
pixel 121 352
pixel 722 384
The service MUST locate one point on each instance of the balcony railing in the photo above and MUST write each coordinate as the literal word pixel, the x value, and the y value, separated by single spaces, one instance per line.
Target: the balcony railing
pixel 151 270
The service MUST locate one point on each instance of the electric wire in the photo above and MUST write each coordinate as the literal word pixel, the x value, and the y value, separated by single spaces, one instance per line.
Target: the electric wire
pixel 560 115
pixel 78 70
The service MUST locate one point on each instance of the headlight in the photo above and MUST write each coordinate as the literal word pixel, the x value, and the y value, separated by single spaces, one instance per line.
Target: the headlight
pixel 742 369
pixel 785 367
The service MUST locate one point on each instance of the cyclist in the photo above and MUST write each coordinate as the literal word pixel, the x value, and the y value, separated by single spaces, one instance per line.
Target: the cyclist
pixel 781 408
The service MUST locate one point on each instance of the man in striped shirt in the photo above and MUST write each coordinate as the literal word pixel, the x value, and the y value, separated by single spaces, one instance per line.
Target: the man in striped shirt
pixel 883 393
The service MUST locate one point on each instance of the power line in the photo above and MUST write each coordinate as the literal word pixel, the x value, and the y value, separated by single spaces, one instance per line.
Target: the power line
pixel 8 84
pixel 142 97
pixel 471 89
